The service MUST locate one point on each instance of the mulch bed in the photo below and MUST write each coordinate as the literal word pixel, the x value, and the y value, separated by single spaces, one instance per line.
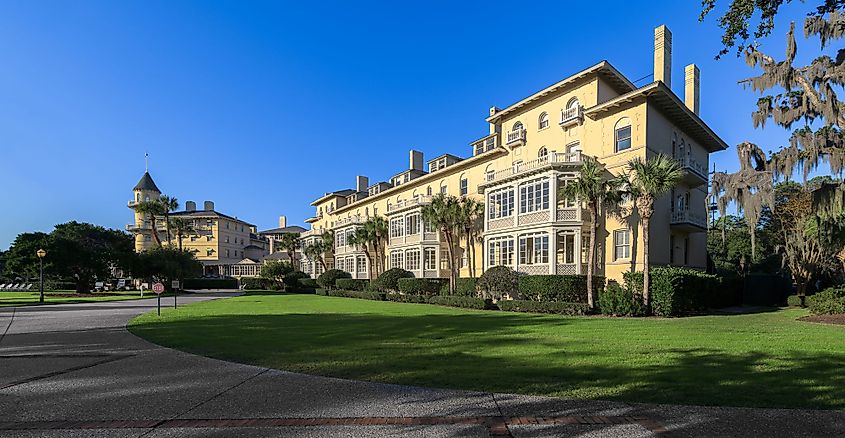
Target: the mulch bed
pixel 825 319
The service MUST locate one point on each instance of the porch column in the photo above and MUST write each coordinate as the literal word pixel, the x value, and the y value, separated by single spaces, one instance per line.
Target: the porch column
pixel 578 252
pixel 552 251
pixel 553 198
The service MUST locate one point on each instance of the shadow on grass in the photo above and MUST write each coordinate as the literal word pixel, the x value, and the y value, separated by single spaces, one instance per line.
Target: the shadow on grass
pixel 508 354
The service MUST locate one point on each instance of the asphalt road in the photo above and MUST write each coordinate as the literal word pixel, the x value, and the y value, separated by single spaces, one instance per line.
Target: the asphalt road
pixel 73 370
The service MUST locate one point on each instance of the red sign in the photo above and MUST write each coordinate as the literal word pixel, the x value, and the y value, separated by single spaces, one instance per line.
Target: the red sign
pixel 158 288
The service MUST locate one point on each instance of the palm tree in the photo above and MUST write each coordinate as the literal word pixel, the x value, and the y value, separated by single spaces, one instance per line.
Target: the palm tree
pixel 182 227
pixel 471 215
pixel 444 213
pixel 374 232
pixel 154 210
pixel 648 180
pixel 363 237
pixel 168 204
pixel 327 239
pixel 290 242
pixel 315 251
pixel 595 190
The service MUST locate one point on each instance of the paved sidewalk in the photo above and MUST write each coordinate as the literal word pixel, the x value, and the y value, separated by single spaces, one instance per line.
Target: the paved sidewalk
pixel 73 370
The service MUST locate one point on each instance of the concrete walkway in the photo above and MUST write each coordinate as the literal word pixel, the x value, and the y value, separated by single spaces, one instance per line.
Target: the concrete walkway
pixel 74 370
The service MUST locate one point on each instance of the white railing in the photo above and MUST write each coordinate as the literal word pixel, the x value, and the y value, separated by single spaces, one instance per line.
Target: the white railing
pixel 484 145
pixel 574 157
pixel 356 219
pixel 403 203
pixel 568 214
pixel 132 204
pixel 571 115
pixel 516 136
pixel 692 164
pixel 567 269
pixel 690 217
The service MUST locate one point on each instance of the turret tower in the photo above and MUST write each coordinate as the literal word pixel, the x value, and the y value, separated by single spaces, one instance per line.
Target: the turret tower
pixel 142 228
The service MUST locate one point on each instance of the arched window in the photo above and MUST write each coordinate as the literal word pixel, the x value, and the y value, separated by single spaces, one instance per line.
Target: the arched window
pixel 517 126
pixel 489 171
pixel 573 103
pixel 443 187
pixel 623 134
pixel 428 191
pixel 543 121
pixel 543 152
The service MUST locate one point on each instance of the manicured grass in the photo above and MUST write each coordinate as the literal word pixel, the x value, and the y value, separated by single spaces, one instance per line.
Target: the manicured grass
pixel 14 299
pixel 764 359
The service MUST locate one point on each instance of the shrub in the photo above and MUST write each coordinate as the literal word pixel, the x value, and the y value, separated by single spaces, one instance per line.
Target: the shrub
pixel 210 283
pixel 544 307
pixel 422 286
pixel 401 298
pixel 291 280
pixel 619 301
pixel 464 287
pixel 308 283
pixel 388 281
pixel 499 281
pixel 362 294
pixel 793 301
pixel 675 290
pixel 327 279
pixel 258 283
pixel 351 284
pixel 56 285
pixel 830 301
pixel 322 292
pixel 558 288
pixel 459 301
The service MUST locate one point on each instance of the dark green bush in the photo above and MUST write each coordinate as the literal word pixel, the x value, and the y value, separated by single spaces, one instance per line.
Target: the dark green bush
pixel 401 298
pixel 541 307
pixel 830 301
pixel 464 287
pixel 258 283
pixel 322 292
pixel 675 290
pixel 210 283
pixel 558 288
pixel 422 286
pixel 56 285
pixel 351 284
pixel 308 283
pixel 459 301
pixel 498 282
pixel 388 281
pixel 619 301
pixel 365 295
pixel 793 301
pixel 327 279
pixel 291 280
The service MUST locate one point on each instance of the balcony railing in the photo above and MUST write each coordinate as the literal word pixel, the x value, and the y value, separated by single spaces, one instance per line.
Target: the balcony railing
pixel 485 144
pixel 407 203
pixel 516 136
pixel 571 116
pixel 132 204
pixel 687 216
pixel 575 158
pixel 692 165
pixel 356 219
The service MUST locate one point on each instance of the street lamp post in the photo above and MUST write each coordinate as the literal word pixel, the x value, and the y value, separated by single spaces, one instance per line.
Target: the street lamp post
pixel 41 254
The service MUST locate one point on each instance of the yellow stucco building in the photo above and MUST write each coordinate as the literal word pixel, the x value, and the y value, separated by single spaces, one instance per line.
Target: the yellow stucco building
pixel 531 149
pixel 225 245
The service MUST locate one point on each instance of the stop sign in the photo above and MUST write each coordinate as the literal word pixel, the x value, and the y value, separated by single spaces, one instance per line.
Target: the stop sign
pixel 158 288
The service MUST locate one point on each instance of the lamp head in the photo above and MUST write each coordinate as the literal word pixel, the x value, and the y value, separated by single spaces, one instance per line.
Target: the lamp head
pixel 41 253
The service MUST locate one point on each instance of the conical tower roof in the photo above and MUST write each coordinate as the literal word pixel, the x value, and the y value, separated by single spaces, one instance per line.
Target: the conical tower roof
pixel 146 183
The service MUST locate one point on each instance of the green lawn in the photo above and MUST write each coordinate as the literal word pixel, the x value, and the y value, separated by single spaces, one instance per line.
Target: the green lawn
pixel 764 359
pixel 13 299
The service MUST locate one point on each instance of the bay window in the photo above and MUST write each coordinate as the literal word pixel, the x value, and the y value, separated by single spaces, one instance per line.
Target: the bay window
pixel 500 204
pixel 534 196
pixel 533 249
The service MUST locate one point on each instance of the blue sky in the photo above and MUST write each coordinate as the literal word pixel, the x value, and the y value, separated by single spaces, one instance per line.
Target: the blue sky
pixel 272 104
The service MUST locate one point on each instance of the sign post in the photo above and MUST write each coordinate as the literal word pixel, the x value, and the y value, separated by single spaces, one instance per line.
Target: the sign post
pixel 158 288
pixel 175 286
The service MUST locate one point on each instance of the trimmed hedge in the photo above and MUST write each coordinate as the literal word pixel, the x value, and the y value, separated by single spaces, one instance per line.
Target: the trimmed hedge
pixel 361 294
pixel 291 280
pixel 308 283
pixel 351 284
pixel 830 301
pixel 258 283
pixel 210 283
pixel 618 301
pixel 464 287
pixel 327 279
pixel 558 288
pixel 544 307
pixel 322 292
pixel 675 290
pixel 388 281
pixel 401 298
pixel 458 301
pixel 498 282
pixel 422 286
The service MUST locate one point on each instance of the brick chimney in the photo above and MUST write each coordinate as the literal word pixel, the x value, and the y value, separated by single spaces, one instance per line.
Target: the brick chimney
pixel 415 160
pixel 190 206
pixel 663 55
pixel 283 221
pixel 208 205
pixel 361 183
pixel 692 81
